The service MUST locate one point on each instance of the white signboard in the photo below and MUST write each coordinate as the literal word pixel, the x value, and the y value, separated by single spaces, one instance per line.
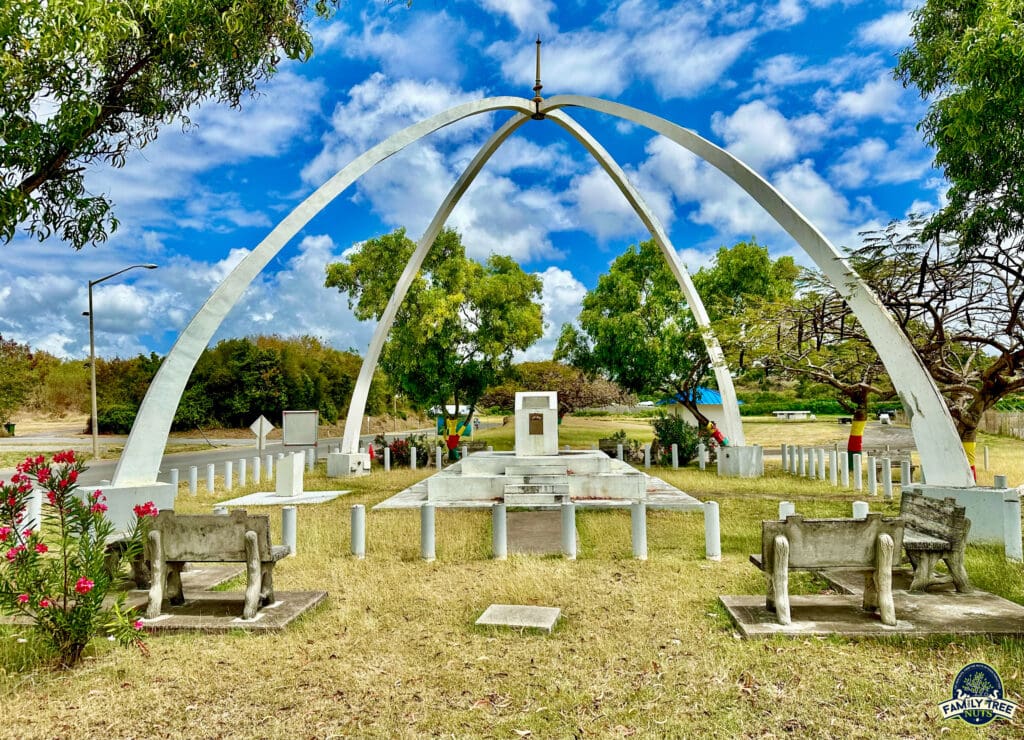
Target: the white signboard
pixel 261 428
pixel 300 428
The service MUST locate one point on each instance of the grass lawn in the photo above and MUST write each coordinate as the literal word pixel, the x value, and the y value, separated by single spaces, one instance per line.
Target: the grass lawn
pixel 643 650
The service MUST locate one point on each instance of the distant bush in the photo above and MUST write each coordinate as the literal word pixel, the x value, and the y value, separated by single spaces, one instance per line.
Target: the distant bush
pixel 115 419
pixel 674 430
pixel 401 449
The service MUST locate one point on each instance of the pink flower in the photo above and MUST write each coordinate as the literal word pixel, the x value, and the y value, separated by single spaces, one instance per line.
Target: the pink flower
pixel 137 624
pixel 4 532
pixel 144 510
pixel 83 585
pixel 13 552
pixel 22 598
pixel 98 508
pixel 41 548
pixel 97 495
pixel 73 476
pixel 45 603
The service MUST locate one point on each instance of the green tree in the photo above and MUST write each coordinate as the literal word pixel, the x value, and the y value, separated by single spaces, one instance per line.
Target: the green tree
pixel 575 390
pixel 459 324
pixel 637 328
pixel 15 376
pixel 966 60
pixel 87 81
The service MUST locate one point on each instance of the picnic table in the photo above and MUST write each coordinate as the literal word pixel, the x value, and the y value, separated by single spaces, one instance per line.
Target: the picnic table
pixel 789 415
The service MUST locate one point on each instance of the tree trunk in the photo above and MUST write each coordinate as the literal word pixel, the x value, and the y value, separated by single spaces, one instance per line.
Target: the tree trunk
pixel 855 442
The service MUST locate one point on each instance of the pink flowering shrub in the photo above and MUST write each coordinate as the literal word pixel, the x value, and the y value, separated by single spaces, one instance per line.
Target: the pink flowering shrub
pixel 58 574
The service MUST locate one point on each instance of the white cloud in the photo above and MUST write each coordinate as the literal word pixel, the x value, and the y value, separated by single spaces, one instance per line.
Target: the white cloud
pixel 530 16
pixel 891 31
pixel 757 134
pixel 882 97
pixel 561 301
pixel 411 45
pixel 873 161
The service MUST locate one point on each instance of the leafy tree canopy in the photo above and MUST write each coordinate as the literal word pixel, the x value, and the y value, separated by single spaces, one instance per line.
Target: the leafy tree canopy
pixel 460 323
pixel 636 328
pixel 966 59
pixel 741 274
pixel 575 390
pixel 87 81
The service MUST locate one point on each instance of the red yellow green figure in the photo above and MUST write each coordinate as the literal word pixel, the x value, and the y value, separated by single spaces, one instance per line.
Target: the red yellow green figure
pixel 717 435
pixel 855 444
pixel 970 449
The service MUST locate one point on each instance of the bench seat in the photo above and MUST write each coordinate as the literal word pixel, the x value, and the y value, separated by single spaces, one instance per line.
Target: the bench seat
pixel 175 540
pixel 935 530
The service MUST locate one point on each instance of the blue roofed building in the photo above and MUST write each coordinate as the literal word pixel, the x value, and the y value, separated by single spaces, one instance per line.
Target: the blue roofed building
pixel 709 403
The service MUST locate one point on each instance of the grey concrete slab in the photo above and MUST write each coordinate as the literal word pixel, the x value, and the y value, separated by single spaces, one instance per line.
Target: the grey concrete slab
pixel 977 613
pixel 518 616
pixel 221 611
pixel 269 498
pixel 535 532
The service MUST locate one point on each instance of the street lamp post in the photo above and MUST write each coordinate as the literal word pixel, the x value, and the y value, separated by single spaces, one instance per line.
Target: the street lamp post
pixel 92 351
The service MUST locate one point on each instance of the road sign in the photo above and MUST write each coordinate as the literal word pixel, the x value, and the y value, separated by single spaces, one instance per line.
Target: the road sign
pixel 261 428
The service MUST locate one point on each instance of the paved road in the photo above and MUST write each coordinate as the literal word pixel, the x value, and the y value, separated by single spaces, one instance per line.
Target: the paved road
pixel 100 471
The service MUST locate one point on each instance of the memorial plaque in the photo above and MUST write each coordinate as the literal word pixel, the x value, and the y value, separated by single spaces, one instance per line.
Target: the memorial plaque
pixel 536 423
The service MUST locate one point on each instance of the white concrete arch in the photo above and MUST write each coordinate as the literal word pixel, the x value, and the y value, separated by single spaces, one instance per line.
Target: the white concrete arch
pixel 733 427
pixel 140 460
pixel 942 454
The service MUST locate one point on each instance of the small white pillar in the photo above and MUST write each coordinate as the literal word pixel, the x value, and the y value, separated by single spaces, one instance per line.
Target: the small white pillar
pixel 619 453
pixel 844 469
pixel 412 458
pixel 256 475
pixel 821 462
pixel 860 509
pixel 174 476
pixel 387 459
pixel 569 530
pixel 638 522
pixel 999 481
pixel 702 455
pixel 784 456
pixel 647 457
pixel 858 472
pixel 220 510
pixel 268 467
pixel 211 476
pixel 812 464
pixel 490 448
pixel 833 467
pixel 887 479
pixel 675 456
pixel 712 532
pixel 289 528
pixel 359 531
pixel 905 475
pixel 785 509
pixel 499 531
pixel 872 476
pixel 437 455
pixel 427 548
pixel 803 462
pixel 193 479
pixel 1012 527
pixel 229 474
pixel 310 458
pixel 465 452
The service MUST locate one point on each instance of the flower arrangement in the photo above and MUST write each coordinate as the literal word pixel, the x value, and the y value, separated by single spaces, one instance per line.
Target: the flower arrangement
pixel 56 572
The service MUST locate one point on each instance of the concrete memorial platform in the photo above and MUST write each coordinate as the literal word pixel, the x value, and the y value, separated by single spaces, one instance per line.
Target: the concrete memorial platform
pixel 520 617
pixel 215 611
pixel 271 498
pixel 940 611
pixel 535 533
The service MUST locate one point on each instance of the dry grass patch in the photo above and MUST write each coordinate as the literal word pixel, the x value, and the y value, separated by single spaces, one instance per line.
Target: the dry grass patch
pixel 643 648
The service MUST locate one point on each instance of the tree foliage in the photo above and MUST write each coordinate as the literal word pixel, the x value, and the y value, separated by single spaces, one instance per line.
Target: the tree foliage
pixel 15 376
pixel 967 60
pixel 575 390
pixel 460 323
pixel 86 81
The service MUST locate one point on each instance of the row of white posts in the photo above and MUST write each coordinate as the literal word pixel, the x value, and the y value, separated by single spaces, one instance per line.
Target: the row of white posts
pixel 818 463
pixel 499 531
pixel 702 455
pixel 252 470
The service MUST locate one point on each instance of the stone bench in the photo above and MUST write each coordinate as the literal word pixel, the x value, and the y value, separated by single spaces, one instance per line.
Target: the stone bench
pixel 814 544
pixel 935 530
pixel 175 540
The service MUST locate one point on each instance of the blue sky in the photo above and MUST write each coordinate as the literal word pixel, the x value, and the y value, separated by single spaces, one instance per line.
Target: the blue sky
pixel 800 89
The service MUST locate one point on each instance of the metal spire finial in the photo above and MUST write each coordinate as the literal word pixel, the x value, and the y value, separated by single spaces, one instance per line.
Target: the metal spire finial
pixel 537 99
